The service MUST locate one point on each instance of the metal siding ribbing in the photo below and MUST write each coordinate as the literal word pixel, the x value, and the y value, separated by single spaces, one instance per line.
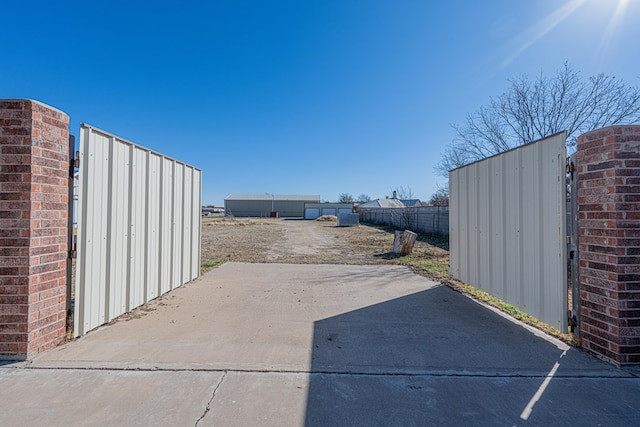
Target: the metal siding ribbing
pixel 154 207
pixel 196 190
pixel 89 299
pixel 186 224
pixel 497 256
pixel 454 224
pixel 291 208
pixel 511 221
pixel 138 231
pixel 166 225
pixel 463 226
pixel 473 239
pixel 554 259
pixel 531 212
pixel 117 238
pixel 484 226
pixel 507 228
pixel 178 215
pixel 138 227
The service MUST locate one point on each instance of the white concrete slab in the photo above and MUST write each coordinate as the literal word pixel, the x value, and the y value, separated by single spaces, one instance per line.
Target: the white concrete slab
pixel 259 399
pixel 53 397
pixel 316 345
pixel 240 317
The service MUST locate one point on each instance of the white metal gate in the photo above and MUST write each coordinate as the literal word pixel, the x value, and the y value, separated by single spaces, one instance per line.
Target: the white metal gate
pixel 138 232
pixel 508 228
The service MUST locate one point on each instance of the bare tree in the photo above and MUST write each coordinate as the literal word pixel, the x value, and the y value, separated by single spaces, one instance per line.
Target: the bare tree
pixel 440 198
pixel 534 109
pixel 403 193
pixel 345 198
pixel 364 198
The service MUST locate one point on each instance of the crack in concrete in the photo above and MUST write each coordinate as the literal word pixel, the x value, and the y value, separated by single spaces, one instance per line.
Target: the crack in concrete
pixel 213 396
pixel 418 373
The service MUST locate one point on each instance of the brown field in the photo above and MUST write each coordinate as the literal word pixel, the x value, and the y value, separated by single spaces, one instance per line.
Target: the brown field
pixel 307 242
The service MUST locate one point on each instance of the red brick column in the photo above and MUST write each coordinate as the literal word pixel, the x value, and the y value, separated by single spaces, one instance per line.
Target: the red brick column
pixel 34 179
pixel 609 239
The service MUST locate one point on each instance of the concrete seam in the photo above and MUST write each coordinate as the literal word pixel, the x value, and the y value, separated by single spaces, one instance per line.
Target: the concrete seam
pixel 444 373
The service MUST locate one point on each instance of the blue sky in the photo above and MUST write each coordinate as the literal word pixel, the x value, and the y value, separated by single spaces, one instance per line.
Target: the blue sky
pixel 300 97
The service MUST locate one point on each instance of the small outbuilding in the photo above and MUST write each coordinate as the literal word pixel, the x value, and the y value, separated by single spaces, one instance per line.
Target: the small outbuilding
pixel 266 205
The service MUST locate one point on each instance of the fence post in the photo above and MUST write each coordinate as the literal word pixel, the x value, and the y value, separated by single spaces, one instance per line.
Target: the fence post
pixel 609 242
pixel 34 179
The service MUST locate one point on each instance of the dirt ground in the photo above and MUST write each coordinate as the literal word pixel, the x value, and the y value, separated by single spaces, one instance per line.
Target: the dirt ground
pixel 303 242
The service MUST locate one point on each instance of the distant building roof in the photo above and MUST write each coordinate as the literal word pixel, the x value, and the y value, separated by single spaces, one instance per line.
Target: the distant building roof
pixel 279 197
pixel 383 203
pixel 410 203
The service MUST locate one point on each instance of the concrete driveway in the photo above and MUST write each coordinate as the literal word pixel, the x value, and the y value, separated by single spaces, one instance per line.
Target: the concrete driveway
pixel 316 345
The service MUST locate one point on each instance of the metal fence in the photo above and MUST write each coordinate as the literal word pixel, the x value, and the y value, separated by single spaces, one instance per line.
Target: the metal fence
pixel 508 228
pixel 422 219
pixel 138 232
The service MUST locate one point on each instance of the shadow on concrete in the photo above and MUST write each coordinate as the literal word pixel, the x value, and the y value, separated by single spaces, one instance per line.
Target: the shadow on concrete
pixel 431 358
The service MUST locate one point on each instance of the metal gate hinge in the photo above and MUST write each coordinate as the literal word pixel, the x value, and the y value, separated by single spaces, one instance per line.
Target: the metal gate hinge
pixel 573 322
pixel 570 167
pixel 74 163
pixel 73 253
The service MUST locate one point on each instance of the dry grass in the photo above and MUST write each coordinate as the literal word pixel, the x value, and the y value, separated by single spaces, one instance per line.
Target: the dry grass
pixel 265 240
pixel 237 239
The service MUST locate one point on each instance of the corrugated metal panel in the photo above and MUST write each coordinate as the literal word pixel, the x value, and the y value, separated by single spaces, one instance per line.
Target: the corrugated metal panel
pixel 289 208
pixel 177 230
pixel 166 225
pixel 186 229
pixel 263 208
pixel 249 208
pixel 507 228
pixel 196 230
pixel 154 208
pixel 138 227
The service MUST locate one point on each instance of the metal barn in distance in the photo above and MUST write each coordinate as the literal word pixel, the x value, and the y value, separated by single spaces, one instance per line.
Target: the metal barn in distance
pixel 267 205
